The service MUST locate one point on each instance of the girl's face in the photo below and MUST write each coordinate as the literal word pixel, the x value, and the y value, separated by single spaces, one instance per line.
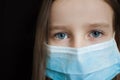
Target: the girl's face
pixel 79 23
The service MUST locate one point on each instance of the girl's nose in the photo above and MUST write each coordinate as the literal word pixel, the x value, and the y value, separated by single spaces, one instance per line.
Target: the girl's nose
pixel 78 42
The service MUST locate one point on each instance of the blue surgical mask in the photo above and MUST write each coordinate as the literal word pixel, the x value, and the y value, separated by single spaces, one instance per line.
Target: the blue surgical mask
pixel 96 62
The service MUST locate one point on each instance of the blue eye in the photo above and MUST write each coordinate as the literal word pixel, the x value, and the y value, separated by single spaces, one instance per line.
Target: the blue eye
pixel 61 36
pixel 96 34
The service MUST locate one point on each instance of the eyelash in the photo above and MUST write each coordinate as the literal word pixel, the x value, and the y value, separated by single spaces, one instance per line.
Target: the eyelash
pixel 57 35
pixel 98 31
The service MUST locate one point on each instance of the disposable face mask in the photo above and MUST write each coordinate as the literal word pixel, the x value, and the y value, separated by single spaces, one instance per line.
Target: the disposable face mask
pixel 96 62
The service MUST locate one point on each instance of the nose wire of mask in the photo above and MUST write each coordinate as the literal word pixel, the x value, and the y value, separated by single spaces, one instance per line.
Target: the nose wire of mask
pixel 96 62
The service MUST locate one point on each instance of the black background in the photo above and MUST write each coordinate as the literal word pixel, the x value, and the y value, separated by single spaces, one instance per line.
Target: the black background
pixel 18 38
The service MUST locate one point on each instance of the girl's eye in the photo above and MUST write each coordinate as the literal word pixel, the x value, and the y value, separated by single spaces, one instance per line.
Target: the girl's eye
pixel 61 35
pixel 96 34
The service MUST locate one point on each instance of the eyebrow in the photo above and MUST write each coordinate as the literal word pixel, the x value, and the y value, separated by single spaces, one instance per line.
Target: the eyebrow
pixel 58 27
pixel 104 25
pixel 89 25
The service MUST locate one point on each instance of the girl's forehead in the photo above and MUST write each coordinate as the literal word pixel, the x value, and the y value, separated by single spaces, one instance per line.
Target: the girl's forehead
pixel 80 10
pixel 78 3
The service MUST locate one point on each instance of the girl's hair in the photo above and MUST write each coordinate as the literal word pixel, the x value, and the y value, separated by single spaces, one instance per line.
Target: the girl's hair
pixel 40 52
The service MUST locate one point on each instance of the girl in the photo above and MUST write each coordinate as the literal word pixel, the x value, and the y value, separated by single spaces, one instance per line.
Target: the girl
pixel 76 40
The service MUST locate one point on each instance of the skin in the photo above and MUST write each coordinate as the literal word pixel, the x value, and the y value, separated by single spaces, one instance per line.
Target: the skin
pixel 80 23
